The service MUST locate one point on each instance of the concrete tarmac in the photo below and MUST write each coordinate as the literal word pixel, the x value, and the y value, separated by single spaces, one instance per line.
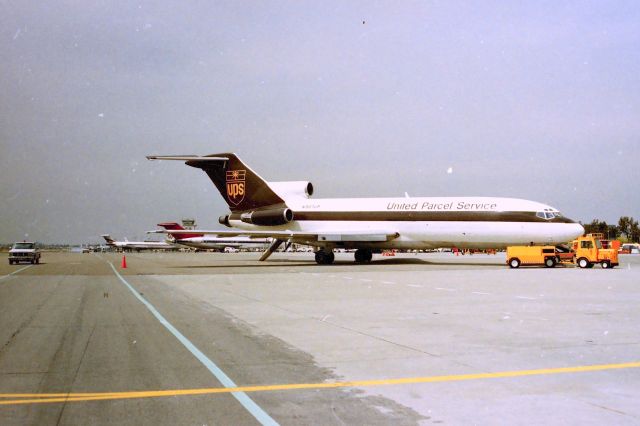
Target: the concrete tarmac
pixel 450 327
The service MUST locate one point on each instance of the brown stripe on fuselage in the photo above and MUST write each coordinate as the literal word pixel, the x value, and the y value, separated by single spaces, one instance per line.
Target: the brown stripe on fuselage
pixel 427 216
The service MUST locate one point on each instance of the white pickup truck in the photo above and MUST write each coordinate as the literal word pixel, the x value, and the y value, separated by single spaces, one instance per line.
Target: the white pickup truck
pixel 24 252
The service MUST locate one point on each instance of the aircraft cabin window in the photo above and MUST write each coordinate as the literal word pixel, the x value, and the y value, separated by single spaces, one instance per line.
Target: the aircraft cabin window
pixel 540 215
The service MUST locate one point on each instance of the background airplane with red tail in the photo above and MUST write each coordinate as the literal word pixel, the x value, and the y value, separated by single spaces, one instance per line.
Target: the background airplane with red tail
pixel 200 240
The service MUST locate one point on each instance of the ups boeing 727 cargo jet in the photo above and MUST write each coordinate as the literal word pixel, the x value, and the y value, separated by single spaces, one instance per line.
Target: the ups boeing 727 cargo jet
pixel 285 211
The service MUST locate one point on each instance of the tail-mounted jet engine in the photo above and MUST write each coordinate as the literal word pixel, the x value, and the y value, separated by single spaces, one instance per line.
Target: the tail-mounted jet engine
pixel 272 217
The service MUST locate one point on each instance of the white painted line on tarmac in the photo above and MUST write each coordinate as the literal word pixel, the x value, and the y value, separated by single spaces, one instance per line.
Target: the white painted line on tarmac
pixel 253 408
pixel 480 292
pixel 414 285
pixel 388 282
pixel 526 298
pixel 347 278
pixel 15 272
pixel 446 289
pixel 366 280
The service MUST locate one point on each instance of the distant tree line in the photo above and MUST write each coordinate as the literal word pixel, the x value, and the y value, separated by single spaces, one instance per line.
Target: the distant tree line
pixel 627 228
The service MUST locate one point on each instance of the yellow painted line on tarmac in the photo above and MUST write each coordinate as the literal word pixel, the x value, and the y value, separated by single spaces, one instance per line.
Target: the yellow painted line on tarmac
pixel 41 398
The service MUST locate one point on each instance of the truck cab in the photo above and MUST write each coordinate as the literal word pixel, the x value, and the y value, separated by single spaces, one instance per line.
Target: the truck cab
pixel 589 250
pixel 25 251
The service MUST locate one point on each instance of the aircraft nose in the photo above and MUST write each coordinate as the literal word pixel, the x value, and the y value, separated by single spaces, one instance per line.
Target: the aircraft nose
pixel 577 230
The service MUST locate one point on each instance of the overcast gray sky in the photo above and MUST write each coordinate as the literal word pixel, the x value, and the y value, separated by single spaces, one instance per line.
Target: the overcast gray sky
pixel 536 100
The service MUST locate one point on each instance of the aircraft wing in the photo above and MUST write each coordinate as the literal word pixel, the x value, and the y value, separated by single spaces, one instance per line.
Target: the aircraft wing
pixel 338 236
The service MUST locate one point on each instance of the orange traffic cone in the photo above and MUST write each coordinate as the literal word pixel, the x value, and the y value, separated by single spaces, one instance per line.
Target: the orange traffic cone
pixel 124 262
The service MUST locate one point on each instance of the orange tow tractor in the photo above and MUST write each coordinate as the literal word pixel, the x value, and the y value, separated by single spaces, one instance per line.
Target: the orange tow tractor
pixel 590 250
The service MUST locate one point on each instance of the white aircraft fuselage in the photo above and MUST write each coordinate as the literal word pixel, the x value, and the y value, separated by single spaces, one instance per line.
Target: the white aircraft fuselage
pixel 424 223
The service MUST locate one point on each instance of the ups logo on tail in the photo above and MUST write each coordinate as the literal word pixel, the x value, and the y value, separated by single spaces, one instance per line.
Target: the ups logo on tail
pixel 236 186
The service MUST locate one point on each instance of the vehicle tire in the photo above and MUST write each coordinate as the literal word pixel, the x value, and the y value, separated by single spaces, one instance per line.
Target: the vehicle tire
pixel 37 261
pixel 324 258
pixel 363 255
pixel 10 262
pixel 605 264
pixel 514 263
pixel 583 263
pixel 550 262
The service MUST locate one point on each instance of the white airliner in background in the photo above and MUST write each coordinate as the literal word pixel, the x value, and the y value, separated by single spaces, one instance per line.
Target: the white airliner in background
pixel 285 211
pixel 199 240
pixel 138 245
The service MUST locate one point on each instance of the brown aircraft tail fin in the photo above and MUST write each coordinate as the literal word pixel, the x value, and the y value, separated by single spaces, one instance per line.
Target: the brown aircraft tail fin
pixel 241 187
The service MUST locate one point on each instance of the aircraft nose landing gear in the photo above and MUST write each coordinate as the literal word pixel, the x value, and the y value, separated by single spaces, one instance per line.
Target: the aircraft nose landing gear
pixel 324 258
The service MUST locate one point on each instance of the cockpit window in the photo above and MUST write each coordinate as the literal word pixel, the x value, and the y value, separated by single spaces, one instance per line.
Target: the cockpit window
pixel 548 214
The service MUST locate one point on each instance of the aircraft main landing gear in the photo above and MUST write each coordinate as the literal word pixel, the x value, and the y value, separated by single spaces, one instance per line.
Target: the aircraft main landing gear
pixel 363 255
pixel 324 258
